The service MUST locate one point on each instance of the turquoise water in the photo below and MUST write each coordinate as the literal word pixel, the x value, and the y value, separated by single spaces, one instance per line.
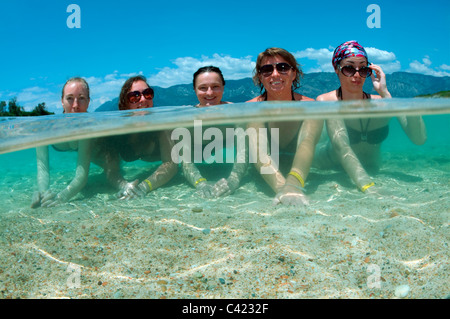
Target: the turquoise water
pixel 174 244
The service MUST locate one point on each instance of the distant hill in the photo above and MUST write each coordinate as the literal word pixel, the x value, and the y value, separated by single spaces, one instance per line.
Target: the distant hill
pixel 400 84
pixel 438 94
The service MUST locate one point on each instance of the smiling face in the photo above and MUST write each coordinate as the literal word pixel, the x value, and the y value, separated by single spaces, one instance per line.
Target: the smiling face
pixel 209 88
pixel 277 84
pixel 75 98
pixel 353 83
pixel 139 86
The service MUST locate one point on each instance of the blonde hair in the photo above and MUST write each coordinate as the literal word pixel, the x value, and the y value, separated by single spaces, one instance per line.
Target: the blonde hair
pixel 77 79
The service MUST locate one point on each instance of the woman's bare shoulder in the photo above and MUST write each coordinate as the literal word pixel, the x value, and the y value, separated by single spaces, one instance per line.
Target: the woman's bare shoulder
pixel 300 97
pixel 256 99
pixel 329 96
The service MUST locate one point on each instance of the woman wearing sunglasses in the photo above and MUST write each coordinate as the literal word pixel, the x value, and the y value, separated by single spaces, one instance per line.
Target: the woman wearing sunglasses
pixel 277 73
pixel 355 143
pixel 146 146
pixel 75 99
pixel 209 86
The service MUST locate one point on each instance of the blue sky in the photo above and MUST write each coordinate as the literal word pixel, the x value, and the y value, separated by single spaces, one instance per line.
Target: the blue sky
pixel 167 41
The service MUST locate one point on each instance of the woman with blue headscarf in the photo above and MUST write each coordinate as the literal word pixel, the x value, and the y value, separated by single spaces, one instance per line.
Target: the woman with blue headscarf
pixel 355 143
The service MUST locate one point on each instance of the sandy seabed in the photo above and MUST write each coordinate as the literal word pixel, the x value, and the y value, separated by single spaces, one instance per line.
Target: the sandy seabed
pixel 173 244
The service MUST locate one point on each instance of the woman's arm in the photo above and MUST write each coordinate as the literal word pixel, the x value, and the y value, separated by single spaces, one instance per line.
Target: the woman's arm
pixel 43 175
pixel 80 179
pixel 337 132
pixel 265 165
pixel 308 138
pixel 43 168
pixel 82 171
pixel 227 186
pixel 414 127
pixel 167 170
pixel 292 192
pixel 195 178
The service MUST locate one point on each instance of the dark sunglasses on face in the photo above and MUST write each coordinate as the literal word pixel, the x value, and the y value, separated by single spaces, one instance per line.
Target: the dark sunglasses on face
pixel 349 71
pixel 282 68
pixel 135 96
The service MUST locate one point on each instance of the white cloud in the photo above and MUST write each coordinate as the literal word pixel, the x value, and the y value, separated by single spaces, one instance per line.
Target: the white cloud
pixel 387 60
pixel 426 60
pixel 30 94
pixel 390 67
pixel 185 67
pixel 424 67
pixel 378 56
pixel 321 56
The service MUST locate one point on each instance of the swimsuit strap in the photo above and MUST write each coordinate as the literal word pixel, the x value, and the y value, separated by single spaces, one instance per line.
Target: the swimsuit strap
pixel 339 94
pixel 364 131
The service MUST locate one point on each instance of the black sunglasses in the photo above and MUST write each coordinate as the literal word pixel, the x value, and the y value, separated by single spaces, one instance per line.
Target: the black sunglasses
pixel 349 71
pixel 135 96
pixel 282 67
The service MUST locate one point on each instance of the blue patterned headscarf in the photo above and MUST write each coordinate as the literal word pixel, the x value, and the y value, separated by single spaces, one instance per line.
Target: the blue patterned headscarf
pixel 346 50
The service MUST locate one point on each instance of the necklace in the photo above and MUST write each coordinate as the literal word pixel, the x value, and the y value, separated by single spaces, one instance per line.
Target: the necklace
pixel 363 131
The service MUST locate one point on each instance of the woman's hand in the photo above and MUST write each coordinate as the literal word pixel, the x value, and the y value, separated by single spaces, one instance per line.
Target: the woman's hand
pixel 379 81
pixel 205 189
pixel 131 190
pixel 291 195
pixel 225 187
pixel 51 199
pixel 36 199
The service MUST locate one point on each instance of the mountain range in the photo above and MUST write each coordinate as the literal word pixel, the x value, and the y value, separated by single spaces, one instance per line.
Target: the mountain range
pixel 400 85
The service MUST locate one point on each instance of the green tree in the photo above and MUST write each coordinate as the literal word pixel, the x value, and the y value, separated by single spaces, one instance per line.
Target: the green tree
pixel 2 107
pixel 17 110
pixel 14 108
pixel 40 110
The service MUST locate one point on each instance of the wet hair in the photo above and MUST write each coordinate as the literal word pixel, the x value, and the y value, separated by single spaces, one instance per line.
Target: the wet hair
pixel 77 79
pixel 287 56
pixel 126 87
pixel 206 69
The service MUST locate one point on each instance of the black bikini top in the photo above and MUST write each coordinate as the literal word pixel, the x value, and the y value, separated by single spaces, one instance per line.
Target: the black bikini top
pixel 375 136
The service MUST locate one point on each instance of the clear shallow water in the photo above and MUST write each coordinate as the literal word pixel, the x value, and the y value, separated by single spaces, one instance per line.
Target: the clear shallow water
pixel 173 244
pixel 27 132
